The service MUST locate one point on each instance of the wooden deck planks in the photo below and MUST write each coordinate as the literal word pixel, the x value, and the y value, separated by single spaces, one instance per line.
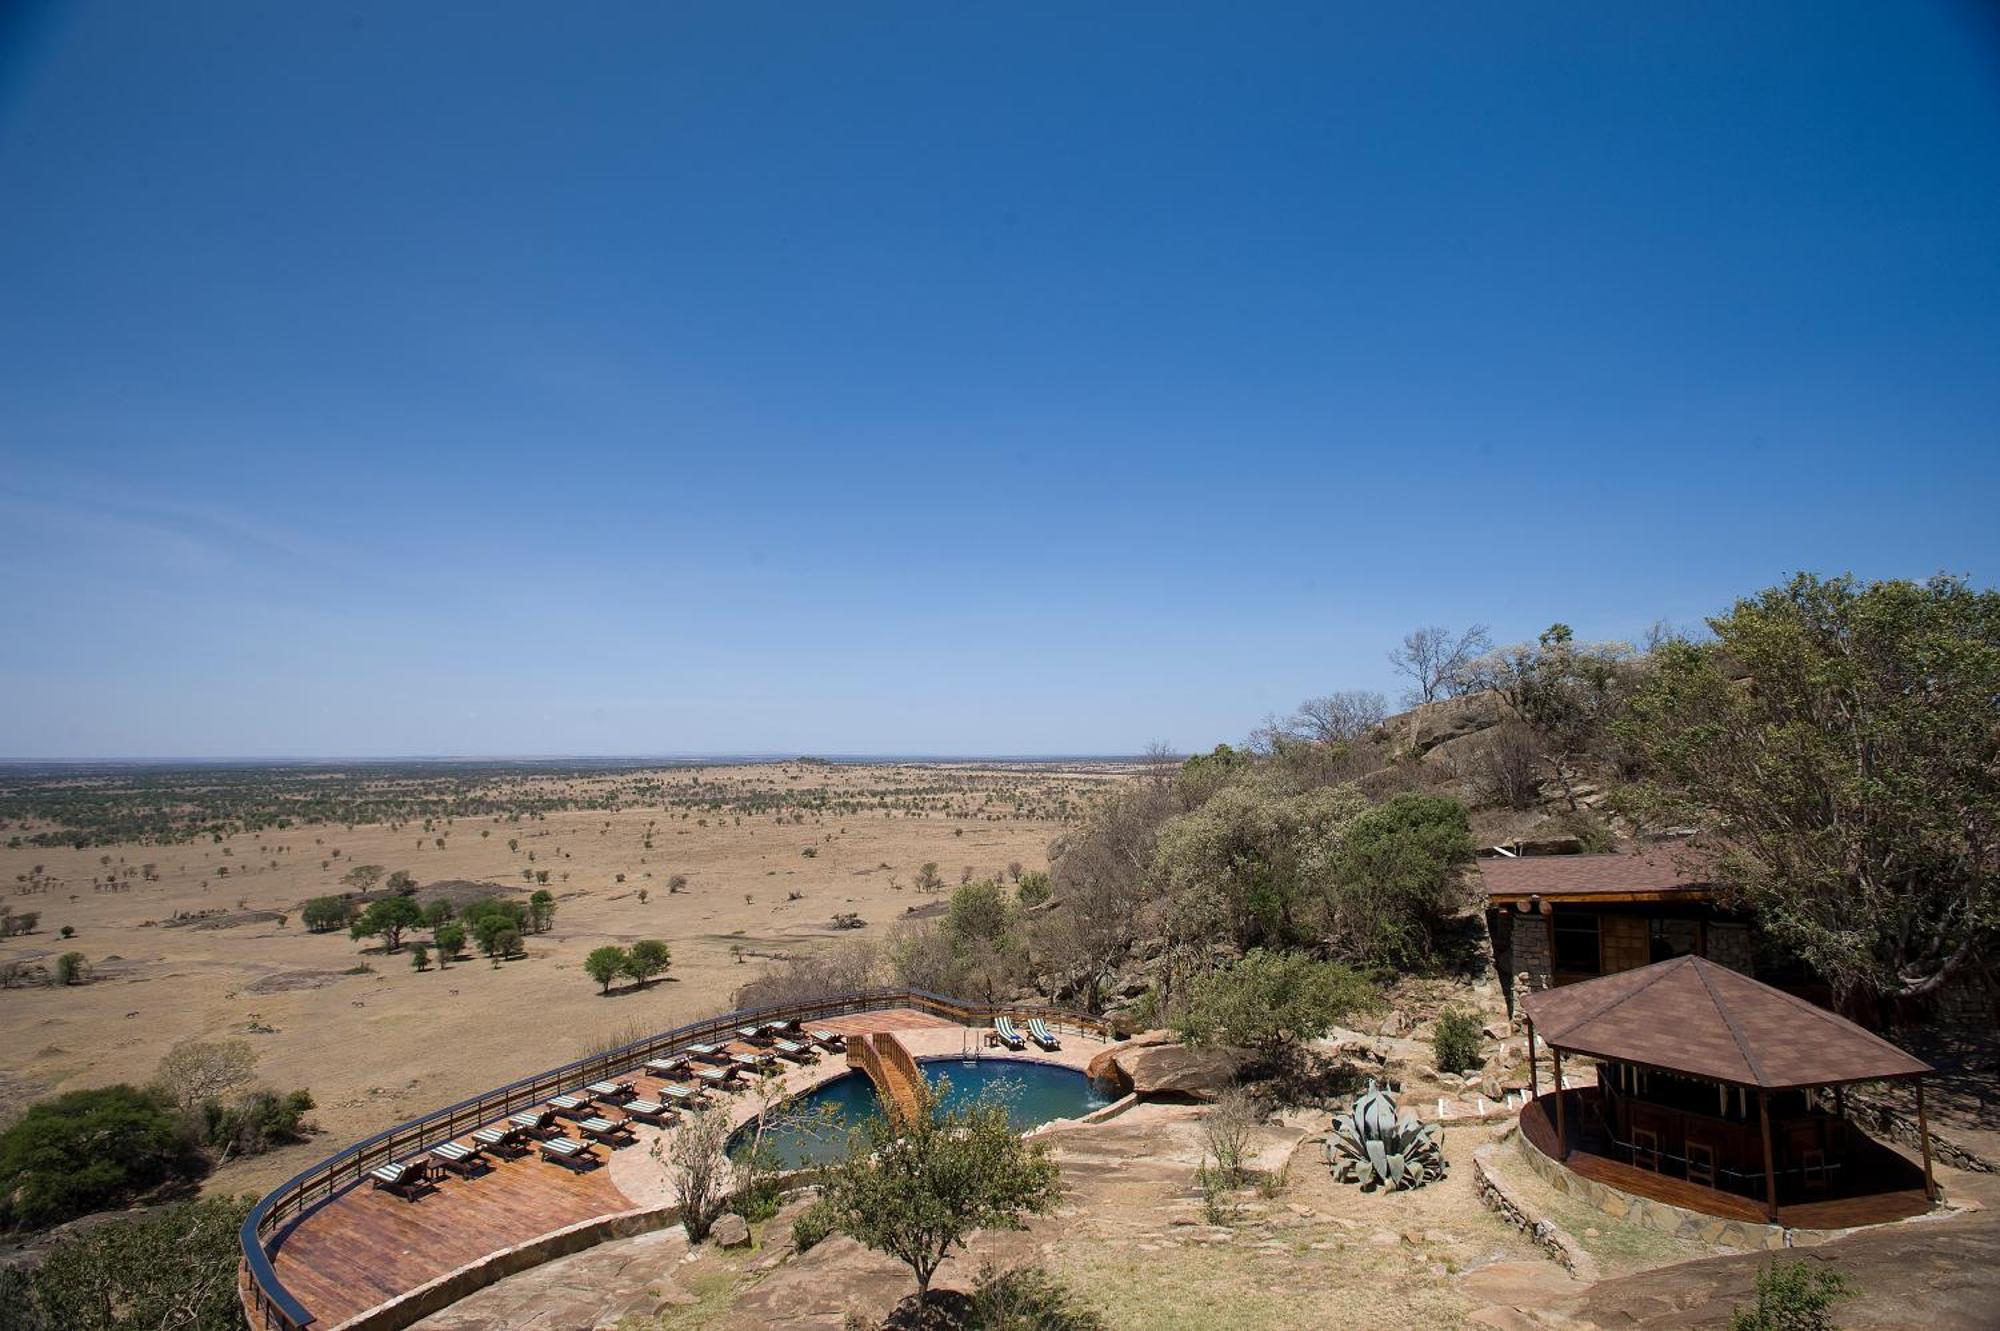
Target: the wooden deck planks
pixel 365 1246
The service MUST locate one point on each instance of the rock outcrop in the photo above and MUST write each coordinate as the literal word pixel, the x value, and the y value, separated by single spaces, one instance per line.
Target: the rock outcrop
pixel 1155 1064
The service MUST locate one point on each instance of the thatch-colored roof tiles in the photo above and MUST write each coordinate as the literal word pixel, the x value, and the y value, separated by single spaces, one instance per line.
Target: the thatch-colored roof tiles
pixel 1692 1016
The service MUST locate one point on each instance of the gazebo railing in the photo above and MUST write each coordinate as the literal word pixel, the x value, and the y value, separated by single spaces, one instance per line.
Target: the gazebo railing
pixel 271 1305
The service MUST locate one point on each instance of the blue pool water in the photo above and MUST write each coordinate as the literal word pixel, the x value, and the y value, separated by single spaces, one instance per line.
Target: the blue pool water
pixel 1034 1093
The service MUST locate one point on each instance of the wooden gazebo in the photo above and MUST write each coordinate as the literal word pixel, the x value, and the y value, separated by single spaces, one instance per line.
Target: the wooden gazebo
pixel 1716 1092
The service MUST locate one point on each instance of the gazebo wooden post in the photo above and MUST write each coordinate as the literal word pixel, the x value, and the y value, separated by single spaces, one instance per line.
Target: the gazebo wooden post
pixel 1770 1166
pixel 1534 1087
pixel 1924 1136
pixel 1562 1131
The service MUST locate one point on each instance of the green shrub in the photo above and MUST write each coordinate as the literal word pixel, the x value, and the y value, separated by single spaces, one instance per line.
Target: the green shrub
pixel 1268 1000
pixel 813 1224
pixel 72 968
pixel 1455 1041
pixel 256 1123
pixel 1033 889
pixel 1793 1296
pixel 1029 1298
pixel 173 1268
pixel 325 914
pixel 88 1150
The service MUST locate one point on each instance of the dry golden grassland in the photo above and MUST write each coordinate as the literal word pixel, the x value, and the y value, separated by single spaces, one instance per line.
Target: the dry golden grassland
pixel 378 1045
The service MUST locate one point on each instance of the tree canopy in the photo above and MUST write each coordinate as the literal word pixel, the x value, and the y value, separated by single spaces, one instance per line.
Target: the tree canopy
pixel 1270 999
pixel 917 1189
pixel 1841 743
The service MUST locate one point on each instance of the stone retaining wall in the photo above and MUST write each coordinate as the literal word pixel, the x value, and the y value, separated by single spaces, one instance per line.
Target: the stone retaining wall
pixel 1675 1220
pixel 1545 1234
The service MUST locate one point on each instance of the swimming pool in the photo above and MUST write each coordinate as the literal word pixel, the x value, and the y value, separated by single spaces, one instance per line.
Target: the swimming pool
pixel 1034 1093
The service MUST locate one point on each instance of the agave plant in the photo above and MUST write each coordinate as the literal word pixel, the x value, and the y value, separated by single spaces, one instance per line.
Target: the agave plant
pixel 1371 1144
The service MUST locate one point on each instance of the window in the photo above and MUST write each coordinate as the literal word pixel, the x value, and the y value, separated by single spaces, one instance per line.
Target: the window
pixel 1576 944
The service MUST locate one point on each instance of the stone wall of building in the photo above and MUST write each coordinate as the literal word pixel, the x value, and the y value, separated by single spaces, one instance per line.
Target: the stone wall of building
pixel 1729 945
pixel 1532 954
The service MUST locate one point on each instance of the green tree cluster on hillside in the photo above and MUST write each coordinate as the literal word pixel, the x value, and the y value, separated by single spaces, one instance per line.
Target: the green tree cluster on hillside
pixel 1839 742
pixel 172 1268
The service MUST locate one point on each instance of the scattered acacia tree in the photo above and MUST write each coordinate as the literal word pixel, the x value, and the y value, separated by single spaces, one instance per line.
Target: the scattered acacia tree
pixel 1838 742
pixel 647 958
pixel 1271 1001
pixel 195 1071
pixel 695 1157
pixel 402 882
pixel 1338 718
pixel 363 877
pixel 916 1189
pixel 387 917
pixel 173 1268
pixel 420 957
pixel 450 941
pixel 324 914
pixel 1435 659
pixel 541 911
pixel 605 964
pixel 72 968
pixel 928 878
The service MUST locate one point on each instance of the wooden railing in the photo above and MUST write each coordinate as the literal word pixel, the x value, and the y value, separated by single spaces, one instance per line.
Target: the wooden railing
pixel 270 1305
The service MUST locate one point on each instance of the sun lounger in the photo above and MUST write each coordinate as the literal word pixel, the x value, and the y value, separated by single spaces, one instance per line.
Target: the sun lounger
pixel 1039 1033
pixel 667 1067
pixel 830 1041
pixel 751 1034
pixel 569 1153
pixel 571 1106
pixel 405 1178
pixel 613 1091
pixel 798 1053
pixel 533 1122
pixel 460 1159
pixel 756 1060
pixel 780 1027
pixel 1004 1032
pixel 649 1111
pixel 708 1053
pixel 680 1095
pixel 604 1130
pixel 500 1141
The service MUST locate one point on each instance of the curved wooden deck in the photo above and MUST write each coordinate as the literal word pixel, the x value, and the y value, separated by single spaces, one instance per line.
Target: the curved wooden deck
pixel 364 1247
pixel 1887 1187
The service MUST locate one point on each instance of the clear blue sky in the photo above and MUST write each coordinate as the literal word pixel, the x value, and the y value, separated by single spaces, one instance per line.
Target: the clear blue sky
pixel 640 378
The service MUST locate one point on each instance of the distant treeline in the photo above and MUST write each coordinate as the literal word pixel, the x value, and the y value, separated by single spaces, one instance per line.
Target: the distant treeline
pixel 92 806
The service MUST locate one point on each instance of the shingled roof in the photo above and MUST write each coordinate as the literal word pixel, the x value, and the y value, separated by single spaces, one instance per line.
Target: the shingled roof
pixel 1690 1015
pixel 1658 872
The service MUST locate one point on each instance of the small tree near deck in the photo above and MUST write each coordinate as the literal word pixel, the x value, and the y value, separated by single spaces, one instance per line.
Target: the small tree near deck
pixel 918 1189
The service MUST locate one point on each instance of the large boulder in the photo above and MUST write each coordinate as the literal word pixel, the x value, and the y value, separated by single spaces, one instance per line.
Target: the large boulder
pixel 1154 1067
pixel 730 1232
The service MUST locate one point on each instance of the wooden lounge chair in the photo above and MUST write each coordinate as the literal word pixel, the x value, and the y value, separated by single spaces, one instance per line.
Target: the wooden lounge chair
pixel 667 1067
pixel 612 1091
pixel 796 1052
pixel 650 1111
pixel 609 1131
pixel 752 1062
pixel 405 1178
pixel 1039 1033
pixel 572 1106
pixel 751 1034
pixel 569 1153
pixel 708 1053
pixel 462 1160
pixel 680 1095
pixel 500 1141
pixel 831 1041
pixel 536 1123
pixel 1004 1032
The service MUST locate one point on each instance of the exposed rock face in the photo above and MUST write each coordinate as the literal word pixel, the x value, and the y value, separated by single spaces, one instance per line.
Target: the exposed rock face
pixel 1154 1065
pixel 730 1232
